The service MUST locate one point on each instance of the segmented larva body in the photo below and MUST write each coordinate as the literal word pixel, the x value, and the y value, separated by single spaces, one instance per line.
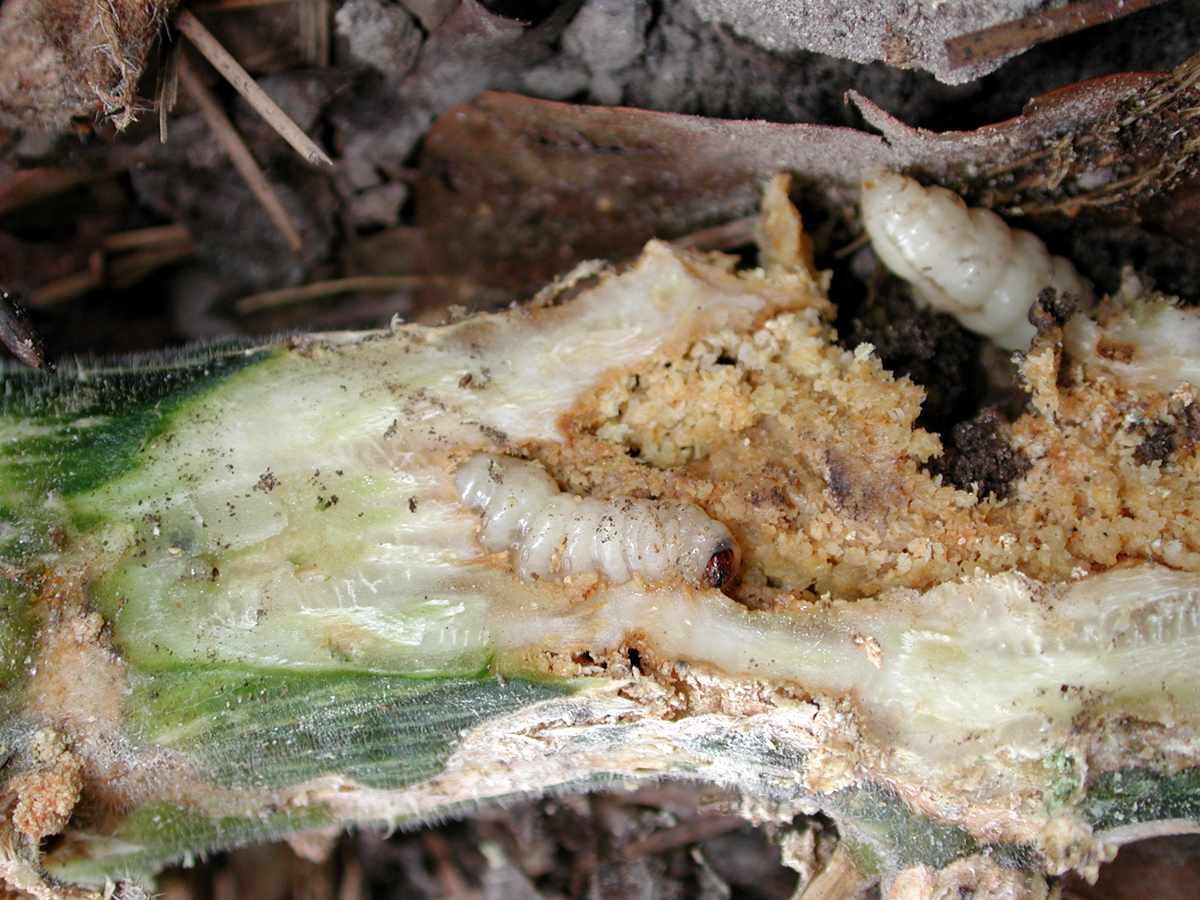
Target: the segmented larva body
pixel 552 534
pixel 964 261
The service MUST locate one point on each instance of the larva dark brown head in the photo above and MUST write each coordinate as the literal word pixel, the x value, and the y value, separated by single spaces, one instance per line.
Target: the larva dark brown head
pixel 722 566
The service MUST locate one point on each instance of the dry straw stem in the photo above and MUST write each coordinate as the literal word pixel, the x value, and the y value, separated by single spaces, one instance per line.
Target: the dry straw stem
pixel 166 92
pixel 155 236
pixel 70 286
pixel 135 254
pixel 28 186
pixel 313 20
pixel 129 268
pixel 320 289
pixel 243 160
pixel 1021 34
pixel 314 32
pixel 684 834
pixel 721 237
pixel 229 67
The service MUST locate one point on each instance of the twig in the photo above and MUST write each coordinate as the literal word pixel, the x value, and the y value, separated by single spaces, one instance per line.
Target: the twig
pixel 31 185
pixel 352 884
pixel 126 271
pixel 690 832
pixel 146 237
pixel 319 289
pixel 720 237
pixel 167 91
pixel 853 247
pixel 144 250
pixel 1021 34
pixel 314 32
pixel 229 67
pixel 67 288
pixel 446 868
pixel 137 253
pixel 243 160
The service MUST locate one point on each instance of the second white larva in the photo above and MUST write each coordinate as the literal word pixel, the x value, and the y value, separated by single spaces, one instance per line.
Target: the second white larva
pixel 552 534
pixel 965 261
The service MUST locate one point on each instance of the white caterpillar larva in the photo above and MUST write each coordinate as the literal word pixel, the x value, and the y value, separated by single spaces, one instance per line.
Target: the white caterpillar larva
pixel 964 261
pixel 553 534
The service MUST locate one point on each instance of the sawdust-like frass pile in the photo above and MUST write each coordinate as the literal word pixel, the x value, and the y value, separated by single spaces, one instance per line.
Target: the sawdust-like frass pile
pixel 809 451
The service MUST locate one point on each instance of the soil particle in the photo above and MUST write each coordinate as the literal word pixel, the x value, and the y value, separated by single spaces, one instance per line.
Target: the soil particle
pixel 266 482
pixel 927 346
pixel 1157 446
pixel 1165 437
pixel 691 66
pixel 1051 309
pixel 381 35
pixel 979 457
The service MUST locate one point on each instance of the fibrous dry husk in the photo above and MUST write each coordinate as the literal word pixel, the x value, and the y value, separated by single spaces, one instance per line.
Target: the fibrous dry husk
pixel 61 61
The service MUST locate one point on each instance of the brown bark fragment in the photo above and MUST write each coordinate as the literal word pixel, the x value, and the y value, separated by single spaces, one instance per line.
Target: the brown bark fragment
pixel 513 191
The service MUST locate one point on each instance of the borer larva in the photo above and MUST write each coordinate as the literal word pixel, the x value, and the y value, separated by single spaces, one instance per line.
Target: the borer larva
pixel 552 534
pixel 962 260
